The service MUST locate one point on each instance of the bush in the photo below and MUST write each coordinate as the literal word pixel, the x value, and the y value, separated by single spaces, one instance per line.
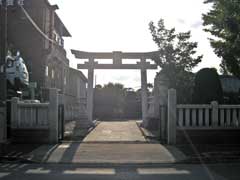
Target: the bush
pixel 207 87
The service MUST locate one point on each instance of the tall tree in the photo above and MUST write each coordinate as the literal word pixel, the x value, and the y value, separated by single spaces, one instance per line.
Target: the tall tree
pixel 223 22
pixel 177 56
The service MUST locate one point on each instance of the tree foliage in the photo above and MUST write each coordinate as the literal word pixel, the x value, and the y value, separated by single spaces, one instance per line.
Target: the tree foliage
pixel 177 56
pixel 207 87
pixel 115 101
pixel 223 22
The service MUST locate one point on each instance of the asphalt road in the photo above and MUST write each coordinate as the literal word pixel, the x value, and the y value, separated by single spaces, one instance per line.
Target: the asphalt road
pixel 119 172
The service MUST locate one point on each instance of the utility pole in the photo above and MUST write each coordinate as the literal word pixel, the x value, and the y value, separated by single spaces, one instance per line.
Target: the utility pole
pixel 3 85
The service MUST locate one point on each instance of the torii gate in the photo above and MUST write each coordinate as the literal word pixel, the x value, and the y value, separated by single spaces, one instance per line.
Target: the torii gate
pixel 117 57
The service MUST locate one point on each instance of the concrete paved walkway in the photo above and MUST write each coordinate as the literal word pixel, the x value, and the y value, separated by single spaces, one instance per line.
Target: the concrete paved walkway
pixel 109 142
pixel 120 131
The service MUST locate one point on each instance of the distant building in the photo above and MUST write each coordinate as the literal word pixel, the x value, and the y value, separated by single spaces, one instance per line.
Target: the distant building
pixel 230 84
pixel 231 89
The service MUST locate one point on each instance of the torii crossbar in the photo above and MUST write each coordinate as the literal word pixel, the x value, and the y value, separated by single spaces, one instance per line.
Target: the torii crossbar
pixel 117 57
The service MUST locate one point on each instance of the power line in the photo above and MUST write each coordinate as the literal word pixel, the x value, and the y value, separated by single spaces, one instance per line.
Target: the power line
pixel 36 26
pixel 39 29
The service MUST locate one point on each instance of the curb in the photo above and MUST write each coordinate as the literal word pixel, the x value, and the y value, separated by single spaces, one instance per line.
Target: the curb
pixel 149 139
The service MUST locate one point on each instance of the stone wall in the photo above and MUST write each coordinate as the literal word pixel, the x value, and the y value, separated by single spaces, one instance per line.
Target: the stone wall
pixel 75 95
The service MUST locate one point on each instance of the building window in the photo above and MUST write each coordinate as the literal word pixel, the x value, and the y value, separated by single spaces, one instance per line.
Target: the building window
pixel 57 38
pixel 46 71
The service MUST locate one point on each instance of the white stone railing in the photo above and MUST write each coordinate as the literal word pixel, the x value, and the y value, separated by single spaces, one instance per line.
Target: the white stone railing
pixel 208 116
pixel 192 116
pixel 36 116
pixel 30 115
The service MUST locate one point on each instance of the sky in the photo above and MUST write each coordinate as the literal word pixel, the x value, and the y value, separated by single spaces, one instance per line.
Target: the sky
pixel 122 25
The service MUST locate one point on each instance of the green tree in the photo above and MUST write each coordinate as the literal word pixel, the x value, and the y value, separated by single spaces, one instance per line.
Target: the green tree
pixel 207 87
pixel 109 100
pixel 176 57
pixel 223 22
pixel 115 101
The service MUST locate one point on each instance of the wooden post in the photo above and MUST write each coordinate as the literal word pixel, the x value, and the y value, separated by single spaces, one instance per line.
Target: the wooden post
pixel 53 116
pixel 214 113
pixel 172 117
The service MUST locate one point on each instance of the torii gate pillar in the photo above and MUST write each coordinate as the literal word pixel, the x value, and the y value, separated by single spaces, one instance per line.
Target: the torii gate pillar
pixel 144 93
pixel 90 92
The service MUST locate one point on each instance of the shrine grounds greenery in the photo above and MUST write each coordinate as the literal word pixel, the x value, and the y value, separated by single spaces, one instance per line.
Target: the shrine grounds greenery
pixel 207 87
pixel 177 57
pixel 116 101
pixel 223 23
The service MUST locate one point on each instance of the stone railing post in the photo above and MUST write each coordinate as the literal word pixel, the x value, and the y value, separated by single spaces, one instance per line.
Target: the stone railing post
pixel 214 113
pixel 172 117
pixel 53 115
pixel 14 112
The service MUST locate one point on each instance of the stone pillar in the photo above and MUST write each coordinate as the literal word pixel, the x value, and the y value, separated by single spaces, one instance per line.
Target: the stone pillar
pixel 3 125
pixel 53 116
pixel 32 87
pixel 144 96
pixel 161 85
pixel 90 91
pixel 14 112
pixel 61 99
pixel 214 113
pixel 172 117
